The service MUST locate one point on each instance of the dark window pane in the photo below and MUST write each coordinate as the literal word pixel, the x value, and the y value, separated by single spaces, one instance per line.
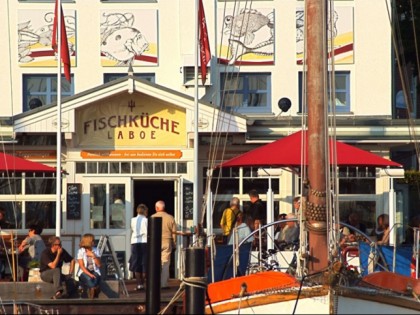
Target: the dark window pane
pixel 80 167
pixel 148 167
pixel 114 167
pixel 182 168
pixel 92 168
pixel 10 186
pixel 357 186
pixel 170 167
pixel 40 186
pixel 41 213
pixel 13 214
pixel 227 186
pixel 108 77
pixel 137 167
pixel 261 185
pixel 159 168
pixel 103 168
pixel 125 168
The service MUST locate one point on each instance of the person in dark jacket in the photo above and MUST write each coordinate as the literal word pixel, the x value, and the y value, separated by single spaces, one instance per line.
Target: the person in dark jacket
pixel 256 209
pixel 52 260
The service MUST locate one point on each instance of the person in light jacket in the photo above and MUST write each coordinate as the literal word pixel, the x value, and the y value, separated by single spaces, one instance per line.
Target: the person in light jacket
pixel 89 260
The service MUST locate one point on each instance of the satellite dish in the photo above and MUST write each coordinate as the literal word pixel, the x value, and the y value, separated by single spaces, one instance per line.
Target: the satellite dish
pixel 284 104
pixel 34 103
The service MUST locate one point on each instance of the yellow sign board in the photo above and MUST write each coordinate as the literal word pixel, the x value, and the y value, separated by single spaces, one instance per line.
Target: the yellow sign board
pixel 135 120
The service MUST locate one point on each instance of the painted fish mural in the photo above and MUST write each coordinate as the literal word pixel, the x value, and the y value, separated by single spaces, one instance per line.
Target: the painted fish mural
pixel 121 41
pixel 41 37
pixel 246 23
pixel 238 49
pixel 249 33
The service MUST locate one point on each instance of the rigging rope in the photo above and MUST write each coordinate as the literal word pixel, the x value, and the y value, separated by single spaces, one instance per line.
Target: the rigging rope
pixel 402 70
pixel 218 144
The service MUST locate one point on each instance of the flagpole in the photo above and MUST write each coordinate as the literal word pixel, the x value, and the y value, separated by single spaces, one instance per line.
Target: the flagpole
pixel 58 176
pixel 195 179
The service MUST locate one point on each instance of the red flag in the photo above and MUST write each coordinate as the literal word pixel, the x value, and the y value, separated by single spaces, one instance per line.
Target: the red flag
pixel 205 54
pixel 65 55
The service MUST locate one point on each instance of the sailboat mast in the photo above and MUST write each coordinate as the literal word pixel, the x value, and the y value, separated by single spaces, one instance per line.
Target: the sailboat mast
pixel 316 62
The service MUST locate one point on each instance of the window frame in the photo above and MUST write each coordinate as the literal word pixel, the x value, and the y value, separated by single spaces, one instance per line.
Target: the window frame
pixel 108 77
pixel 246 92
pixel 343 109
pixel 49 93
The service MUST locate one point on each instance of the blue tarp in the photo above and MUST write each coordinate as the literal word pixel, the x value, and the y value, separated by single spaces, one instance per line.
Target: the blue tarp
pixel 402 262
pixel 223 264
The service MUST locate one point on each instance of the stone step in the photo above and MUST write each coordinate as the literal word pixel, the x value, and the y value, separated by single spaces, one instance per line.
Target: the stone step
pixel 24 291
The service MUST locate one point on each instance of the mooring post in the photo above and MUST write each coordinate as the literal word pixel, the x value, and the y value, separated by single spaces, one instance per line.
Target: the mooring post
pixel 154 248
pixel 194 273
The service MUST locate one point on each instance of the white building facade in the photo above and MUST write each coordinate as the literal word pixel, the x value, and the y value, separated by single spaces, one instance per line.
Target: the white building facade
pixel 131 135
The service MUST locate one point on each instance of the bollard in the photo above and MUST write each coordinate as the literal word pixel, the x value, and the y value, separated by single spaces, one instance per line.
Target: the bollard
pixel 194 270
pixel 154 248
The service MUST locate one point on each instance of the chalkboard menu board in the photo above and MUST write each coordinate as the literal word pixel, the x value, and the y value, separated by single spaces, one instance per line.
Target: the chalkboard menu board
pixel 188 200
pixel 108 270
pixel 74 198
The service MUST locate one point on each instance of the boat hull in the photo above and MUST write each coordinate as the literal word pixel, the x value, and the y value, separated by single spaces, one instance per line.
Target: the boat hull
pixel 279 293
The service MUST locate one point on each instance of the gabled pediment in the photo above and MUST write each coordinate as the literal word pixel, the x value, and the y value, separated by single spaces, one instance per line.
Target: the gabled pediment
pixel 122 91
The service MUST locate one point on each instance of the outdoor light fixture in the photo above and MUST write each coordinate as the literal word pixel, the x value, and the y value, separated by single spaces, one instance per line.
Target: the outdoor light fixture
pixel 284 105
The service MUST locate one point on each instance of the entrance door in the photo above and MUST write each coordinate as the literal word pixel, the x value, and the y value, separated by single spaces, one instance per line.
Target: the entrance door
pixel 150 191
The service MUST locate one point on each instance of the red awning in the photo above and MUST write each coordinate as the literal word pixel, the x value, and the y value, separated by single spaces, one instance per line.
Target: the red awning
pixel 286 152
pixel 16 164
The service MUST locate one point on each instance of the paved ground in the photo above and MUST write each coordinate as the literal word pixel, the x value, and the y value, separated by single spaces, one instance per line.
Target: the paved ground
pixel 134 303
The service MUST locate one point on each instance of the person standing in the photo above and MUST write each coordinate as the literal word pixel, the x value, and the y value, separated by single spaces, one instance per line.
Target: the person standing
pixel 296 205
pixel 383 221
pixel 52 260
pixel 89 261
pixel 138 258
pixel 168 240
pixel 30 250
pixel 257 210
pixel 241 229
pixel 227 222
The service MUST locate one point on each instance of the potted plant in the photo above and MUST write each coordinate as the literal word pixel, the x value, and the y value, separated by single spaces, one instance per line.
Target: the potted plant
pixel 33 264
pixel 34 273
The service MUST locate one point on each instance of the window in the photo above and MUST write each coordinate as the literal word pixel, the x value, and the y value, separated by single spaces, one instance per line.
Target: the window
pixel 342 91
pixel 189 77
pixel 41 89
pixel 107 206
pixel 131 168
pixel 33 200
pixel 246 92
pixel 108 77
pixel 41 213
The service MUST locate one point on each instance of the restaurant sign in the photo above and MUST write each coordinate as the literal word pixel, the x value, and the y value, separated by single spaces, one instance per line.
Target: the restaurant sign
pixel 131 122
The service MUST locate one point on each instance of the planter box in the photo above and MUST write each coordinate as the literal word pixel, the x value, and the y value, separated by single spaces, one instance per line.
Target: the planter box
pixel 34 275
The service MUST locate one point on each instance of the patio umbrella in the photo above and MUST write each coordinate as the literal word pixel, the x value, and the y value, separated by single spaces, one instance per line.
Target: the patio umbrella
pixel 286 152
pixel 16 164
